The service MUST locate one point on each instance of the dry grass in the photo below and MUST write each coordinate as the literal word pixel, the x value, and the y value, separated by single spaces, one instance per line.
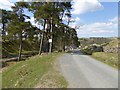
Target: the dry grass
pixel 108 58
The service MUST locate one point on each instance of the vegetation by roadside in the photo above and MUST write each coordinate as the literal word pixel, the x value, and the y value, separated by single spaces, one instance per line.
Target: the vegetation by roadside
pixel 52 79
pixel 86 51
pixel 35 70
pixel 108 58
pixel 94 40
pixel 10 48
pixel 106 52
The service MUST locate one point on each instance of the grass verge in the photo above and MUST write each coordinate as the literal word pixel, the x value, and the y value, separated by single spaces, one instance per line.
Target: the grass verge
pixel 108 58
pixel 29 73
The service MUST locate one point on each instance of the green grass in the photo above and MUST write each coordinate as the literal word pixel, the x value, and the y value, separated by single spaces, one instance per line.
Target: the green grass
pixel 114 43
pixel 87 51
pixel 108 58
pixel 27 74
pixel 0 80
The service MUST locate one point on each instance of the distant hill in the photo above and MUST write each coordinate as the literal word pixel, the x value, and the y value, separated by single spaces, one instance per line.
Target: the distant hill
pixel 112 46
pixel 94 40
pixel 113 43
pixel 108 44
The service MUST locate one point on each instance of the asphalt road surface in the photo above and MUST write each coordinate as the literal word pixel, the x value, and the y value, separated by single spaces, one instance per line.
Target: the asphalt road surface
pixel 82 71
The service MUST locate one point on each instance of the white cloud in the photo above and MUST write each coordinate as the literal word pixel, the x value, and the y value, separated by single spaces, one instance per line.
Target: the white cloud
pixel 32 20
pixel 77 19
pixel 83 6
pixel 75 22
pixel 114 20
pixel 6 4
pixel 99 28
pixel 72 25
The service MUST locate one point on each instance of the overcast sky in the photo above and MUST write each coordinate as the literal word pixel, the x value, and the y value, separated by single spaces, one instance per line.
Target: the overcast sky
pixel 94 18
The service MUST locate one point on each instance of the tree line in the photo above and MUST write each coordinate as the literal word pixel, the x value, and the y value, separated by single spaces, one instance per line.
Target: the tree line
pixel 49 16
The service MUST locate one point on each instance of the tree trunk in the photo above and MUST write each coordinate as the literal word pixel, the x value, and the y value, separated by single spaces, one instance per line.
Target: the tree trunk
pixel 20 48
pixel 41 40
pixel 3 32
pixel 50 48
pixel 63 49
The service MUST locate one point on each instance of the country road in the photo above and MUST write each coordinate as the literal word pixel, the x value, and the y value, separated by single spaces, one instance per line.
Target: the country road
pixel 82 71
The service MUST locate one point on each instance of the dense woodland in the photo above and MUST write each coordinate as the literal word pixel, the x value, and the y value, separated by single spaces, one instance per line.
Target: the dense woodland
pixel 21 34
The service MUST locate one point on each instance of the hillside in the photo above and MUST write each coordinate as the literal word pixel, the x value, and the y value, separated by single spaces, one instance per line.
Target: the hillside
pixel 11 48
pixel 112 46
pixel 95 40
pixel 103 49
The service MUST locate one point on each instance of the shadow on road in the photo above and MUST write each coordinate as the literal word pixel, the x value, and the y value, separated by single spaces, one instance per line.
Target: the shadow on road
pixel 76 52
